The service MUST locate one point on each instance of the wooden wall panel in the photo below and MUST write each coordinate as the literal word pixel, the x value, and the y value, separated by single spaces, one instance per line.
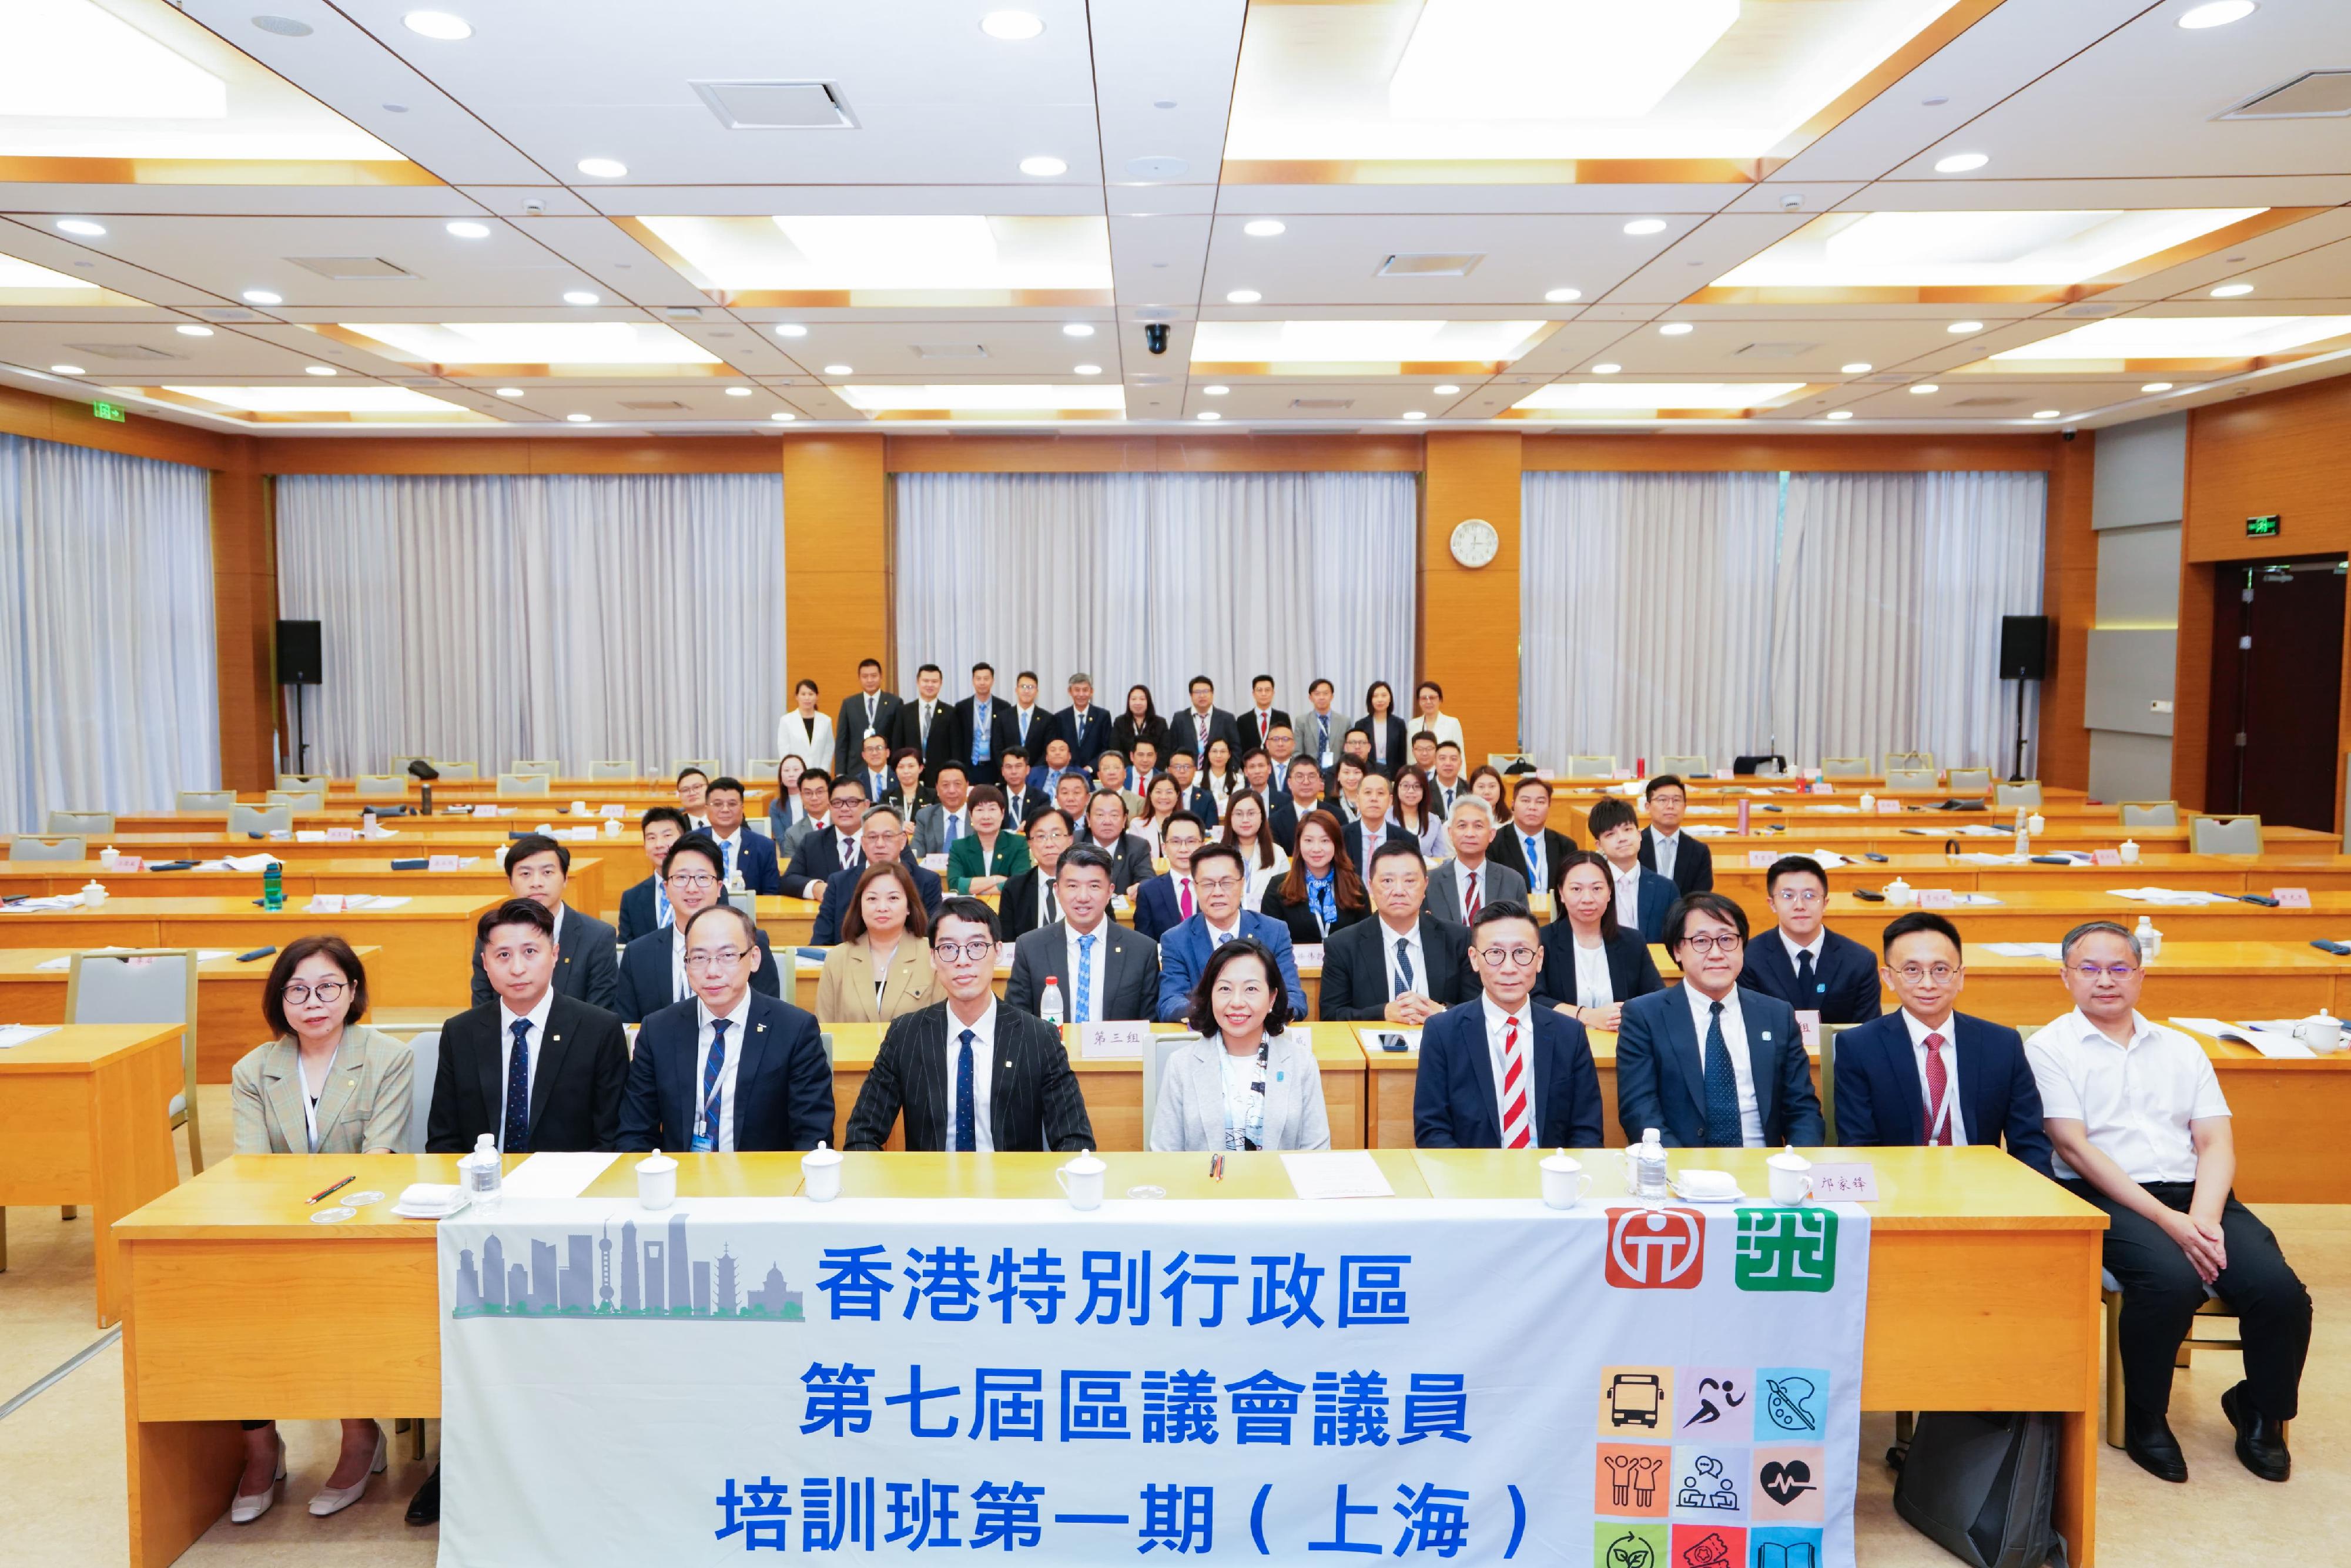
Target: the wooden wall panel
pixel 245 624
pixel 2191 688
pixel 1151 453
pixel 839 575
pixel 2069 594
pixel 518 454
pixel 1468 620
pixel 56 419
pixel 1669 451
pixel 2289 453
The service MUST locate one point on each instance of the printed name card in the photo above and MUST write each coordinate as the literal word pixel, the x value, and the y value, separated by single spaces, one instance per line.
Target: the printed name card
pixel 1307 955
pixel 1620 773
pixel 1851 1183
pixel 339 835
pixel 1821 786
pixel 1122 1041
pixel 1724 773
pixel 441 862
pixel 1004 954
pixel 614 810
pixel 2291 898
pixel 1889 808
pixel 326 903
pixel 2105 857
pixel 130 863
pixel 1936 898
pixel 1761 859
pixel 1808 1023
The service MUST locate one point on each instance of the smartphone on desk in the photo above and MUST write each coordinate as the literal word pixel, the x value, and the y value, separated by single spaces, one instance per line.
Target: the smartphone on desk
pixel 1398 1042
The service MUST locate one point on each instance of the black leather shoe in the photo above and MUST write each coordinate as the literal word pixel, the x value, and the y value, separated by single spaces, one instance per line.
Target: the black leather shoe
pixel 2261 1442
pixel 424 1507
pixel 2147 1439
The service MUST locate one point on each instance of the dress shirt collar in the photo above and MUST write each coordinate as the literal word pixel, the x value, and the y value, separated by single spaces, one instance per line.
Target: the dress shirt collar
pixel 1817 946
pixel 1948 1029
pixel 1496 1017
pixel 509 1017
pixel 734 1015
pixel 1701 1006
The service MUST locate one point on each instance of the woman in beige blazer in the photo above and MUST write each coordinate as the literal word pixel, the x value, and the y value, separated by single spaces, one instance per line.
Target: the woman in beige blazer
pixel 324 1086
pixel 882 966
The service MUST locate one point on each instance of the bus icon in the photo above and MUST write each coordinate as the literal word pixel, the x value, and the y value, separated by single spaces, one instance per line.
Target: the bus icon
pixel 1635 1399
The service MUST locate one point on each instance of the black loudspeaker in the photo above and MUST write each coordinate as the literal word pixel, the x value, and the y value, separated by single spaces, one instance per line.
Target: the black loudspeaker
pixel 2023 647
pixel 298 662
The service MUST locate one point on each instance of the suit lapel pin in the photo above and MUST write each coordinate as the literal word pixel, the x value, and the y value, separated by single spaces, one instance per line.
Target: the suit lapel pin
pixel 558 1040
pixel 759 1029
pixel 1767 1037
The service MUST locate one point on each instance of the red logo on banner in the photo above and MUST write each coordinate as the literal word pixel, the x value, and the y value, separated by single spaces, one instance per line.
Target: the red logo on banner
pixel 1655 1248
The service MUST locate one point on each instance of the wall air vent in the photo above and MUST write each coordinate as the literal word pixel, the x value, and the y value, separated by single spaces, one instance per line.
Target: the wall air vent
pixel 1988 402
pixel 353 269
pixel 652 405
pixel 950 351
pixel 777 105
pixel 1430 264
pixel 2312 95
pixel 1776 350
pixel 1322 404
pixel 123 351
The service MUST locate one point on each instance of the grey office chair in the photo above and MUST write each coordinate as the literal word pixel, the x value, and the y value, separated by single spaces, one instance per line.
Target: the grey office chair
pixel 261 818
pixel 1969 781
pixel 1590 765
pixel 1847 767
pixel 2008 796
pixel 1910 778
pixel 27 847
pixel 1688 767
pixel 710 765
pixel 524 784
pixel 204 800
pixel 613 770
pixel 2224 835
pixel 1162 1050
pixel 380 786
pixel 154 985
pixel 1894 759
pixel 297 800
pixel 457 770
pixel 89 823
pixel 313 783
pixel 2149 814
pixel 547 766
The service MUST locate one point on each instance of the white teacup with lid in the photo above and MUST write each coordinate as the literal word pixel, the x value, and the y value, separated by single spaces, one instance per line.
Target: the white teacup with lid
pixel 820 1174
pixel 1792 1176
pixel 1082 1179
pixel 1565 1182
pixel 2322 1032
pixel 656 1180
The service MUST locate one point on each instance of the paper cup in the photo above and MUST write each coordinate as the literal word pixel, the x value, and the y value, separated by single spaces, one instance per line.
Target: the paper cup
pixel 656 1181
pixel 820 1174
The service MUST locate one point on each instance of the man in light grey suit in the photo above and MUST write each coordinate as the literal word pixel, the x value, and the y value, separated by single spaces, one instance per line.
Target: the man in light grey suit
pixel 1121 967
pixel 869 710
pixel 1468 882
pixel 954 785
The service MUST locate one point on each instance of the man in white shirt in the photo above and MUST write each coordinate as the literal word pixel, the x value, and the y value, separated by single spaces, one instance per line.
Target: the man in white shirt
pixel 645 906
pixel 926 724
pixel 1026 713
pixel 1424 751
pixel 1163 903
pixel 1257 778
pixel 1281 745
pixel 1373 826
pixel 1539 1086
pixel 1405 966
pixel 2139 1127
pixel 1801 961
pixel 1144 760
pixel 1470 881
pixel 871 711
pixel 1203 721
pixel 1057 767
pixel 1257 725
pixel 1321 731
pixel 874 776
pixel 1643 897
pixel 829 849
pixel 937 827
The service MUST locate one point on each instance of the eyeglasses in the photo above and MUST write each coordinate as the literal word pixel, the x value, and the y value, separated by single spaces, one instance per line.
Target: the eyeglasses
pixel 1217 884
pixel 1939 973
pixel 2114 971
pixel 964 952
pixel 713 957
pixel 325 991
pixel 1725 942
pixel 1806 895
pixel 1497 957
pixel 692 880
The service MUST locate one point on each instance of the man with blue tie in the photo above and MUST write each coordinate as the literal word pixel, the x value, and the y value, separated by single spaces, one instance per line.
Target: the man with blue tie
pixel 983 724
pixel 1219 878
pixel 1103 973
pixel 1322 732
pixel 873 774
pixel 1832 978
pixel 1057 767
pixel 1530 846
pixel 645 906
pixel 1030 723
pixel 1085 727
pixel 939 826
pixel 652 967
pixel 1707 1063
pixel 1929 1074
pixel 728 1070
pixel 750 854
pixel 926 724
pixel 1501 1073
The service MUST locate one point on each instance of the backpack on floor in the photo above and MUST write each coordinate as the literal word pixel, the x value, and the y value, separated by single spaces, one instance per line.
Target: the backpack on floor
pixel 1980 1484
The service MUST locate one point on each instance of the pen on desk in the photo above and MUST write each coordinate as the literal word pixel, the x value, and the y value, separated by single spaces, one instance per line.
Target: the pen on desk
pixel 256 953
pixel 326 1191
pixel 1217 1167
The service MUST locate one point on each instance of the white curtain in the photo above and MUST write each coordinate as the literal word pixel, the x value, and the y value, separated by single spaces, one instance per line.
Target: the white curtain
pixel 578 617
pixel 1891 590
pixel 1646 614
pixel 1152 579
pixel 106 632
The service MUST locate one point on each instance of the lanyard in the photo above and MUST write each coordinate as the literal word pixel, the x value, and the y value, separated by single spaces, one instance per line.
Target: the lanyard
pixel 310 1101
pixel 1251 1136
pixel 1950 1092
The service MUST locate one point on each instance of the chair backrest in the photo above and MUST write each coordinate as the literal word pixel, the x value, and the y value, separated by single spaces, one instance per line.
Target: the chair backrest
pixel 548 766
pixel 825 1039
pixel 261 819
pixel 2224 835
pixel 91 823
pixel 1688 767
pixel 613 768
pixel 151 984
pixel 710 765
pixel 27 847
pixel 400 764
pixel 1969 781
pixel 298 799
pixel 759 767
pixel 1590 766
pixel 1155 1058
pixel 206 800
pixel 2150 814
pixel 424 1050
pixel 457 770
pixel 392 785
pixel 1910 778
pixel 1847 767
pixel 524 783
pixel 1894 759
pixel 1829 1032
pixel 314 783
pixel 2024 792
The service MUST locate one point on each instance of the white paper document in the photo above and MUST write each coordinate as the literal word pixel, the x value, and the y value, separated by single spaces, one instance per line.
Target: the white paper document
pixel 1341 1173
pixel 2050 950
pixel 2168 895
pixel 2271 1040
pixel 244 862
pixel 551 1175
pixel 19 1033
pixel 55 901
pixel 1704 830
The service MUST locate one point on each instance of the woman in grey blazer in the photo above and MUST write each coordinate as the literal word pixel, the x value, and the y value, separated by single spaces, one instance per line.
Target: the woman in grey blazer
pixel 324 1086
pixel 1248 1082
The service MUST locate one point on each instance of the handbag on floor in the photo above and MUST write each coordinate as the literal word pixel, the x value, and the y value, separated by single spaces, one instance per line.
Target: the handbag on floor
pixel 1982 1485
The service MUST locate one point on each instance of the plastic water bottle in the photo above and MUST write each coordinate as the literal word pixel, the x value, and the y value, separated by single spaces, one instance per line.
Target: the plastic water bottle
pixel 480 1174
pixel 1048 1006
pixel 2150 940
pixel 1649 1163
pixel 273 887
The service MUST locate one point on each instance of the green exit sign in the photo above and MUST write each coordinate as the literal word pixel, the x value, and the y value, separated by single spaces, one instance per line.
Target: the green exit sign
pixel 2262 527
pixel 106 411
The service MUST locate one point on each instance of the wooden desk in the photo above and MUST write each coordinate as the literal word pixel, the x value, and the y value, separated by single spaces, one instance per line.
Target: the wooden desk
pixel 2288 1118
pixel 2216 874
pixel 426 944
pixel 300 877
pixel 1309 976
pixel 1950 1328
pixel 2201 979
pixel 84 1118
pixel 2046 916
pixel 1891 836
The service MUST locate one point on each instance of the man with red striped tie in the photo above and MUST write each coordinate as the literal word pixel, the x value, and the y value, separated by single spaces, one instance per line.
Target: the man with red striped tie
pixel 1500 1072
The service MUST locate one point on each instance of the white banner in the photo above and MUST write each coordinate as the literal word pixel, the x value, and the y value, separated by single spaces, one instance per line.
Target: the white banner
pixel 1483 1382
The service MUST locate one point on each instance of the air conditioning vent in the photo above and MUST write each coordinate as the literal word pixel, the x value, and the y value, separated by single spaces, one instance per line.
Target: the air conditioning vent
pixel 652 405
pixel 230 313
pixel 1777 350
pixel 123 351
pixel 950 351
pixel 1989 403
pixel 352 268
pixel 2312 95
pixel 1888 379
pixel 2091 310
pixel 777 105
pixel 1322 404
pixel 682 312
pixel 1430 264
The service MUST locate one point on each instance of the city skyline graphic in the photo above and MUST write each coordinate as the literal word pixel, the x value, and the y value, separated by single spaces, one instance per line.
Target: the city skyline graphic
pixel 660 1279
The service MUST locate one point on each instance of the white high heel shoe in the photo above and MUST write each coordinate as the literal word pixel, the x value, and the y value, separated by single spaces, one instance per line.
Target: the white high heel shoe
pixel 246 1510
pixel 334 1500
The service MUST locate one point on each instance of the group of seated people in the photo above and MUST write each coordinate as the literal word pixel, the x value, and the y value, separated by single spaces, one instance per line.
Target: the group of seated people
pixel 2124 1113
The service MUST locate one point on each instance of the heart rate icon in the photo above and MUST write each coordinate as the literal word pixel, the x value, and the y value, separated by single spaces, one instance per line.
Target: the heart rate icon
pixel 1784 1483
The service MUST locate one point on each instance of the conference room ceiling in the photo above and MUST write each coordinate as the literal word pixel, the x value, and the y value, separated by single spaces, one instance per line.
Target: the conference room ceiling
pixel 1349 214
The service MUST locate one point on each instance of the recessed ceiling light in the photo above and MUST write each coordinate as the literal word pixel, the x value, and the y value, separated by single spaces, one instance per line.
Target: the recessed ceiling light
pixel 1414 414
pixel 1444 391
pixel 1925 389
pixel 467 229
pixel 790 329
pixel 2232 291
pixel 1208 413
pixel 1645 227
pixel 319 370
pixel 192 330
pixel 1077 329
pixel 1043 168
pixel 263 296
pixel 67 370
pixel 601 168
pixel 2155 387
pixel 1961 162
pixel 1263 228
pixel 578 418
pixel 782 416
pixel 1563 296
pixel 1087 370
pixel 838 371
pixel 1857 368
pixel 438 24
pixel 2218 13
pixel 1958 328
pixel 82 227
pixel 578 297
pixel 739 391
pixel 1243 297
pixel 510 392
pixel 2044 413
pixel 1012 27
pixel 1605 370
pixel 1676 330
pixel 1214 391
pixel 1840 413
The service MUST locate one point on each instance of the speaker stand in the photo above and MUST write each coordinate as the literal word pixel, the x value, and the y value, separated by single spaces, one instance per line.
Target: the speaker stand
pixel 2019 775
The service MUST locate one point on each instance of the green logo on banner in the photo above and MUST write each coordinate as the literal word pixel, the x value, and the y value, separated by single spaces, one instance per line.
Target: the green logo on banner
pixel 1786 1249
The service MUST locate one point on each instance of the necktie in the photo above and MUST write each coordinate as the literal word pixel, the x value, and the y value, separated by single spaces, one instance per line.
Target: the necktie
pixel 967 1119
pixel 979 735
pixel 1807 986
pixel 1664 853
pixel 951 832
pixel 1937 1080
pixel 1202 721
pixel 1225 936
pixel 926 726
pixel 869 717
pixel 711 1097
pixel 1535 867
pixel 517 1132
pixel 1470 900
pixel 1052 911
pixel 1404 980
pixel 1722 1125
pixel 661 907
pixel 1082 1012
pixel 1183 895
pixel 1323 740
pixel 731 846
pixel 1515 1133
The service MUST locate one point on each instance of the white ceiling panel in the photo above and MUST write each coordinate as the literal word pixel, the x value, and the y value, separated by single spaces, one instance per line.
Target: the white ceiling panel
pixel 1515 259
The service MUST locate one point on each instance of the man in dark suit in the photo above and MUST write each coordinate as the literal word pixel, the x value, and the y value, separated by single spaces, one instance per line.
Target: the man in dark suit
pixel 1707 1063
pixel 728 1070
pixel 1218 878
pixel 750 854
pixel 871 711
pixel 1032 724
pixel 873 773
pixel 1203 722
pixel 645 906
pixel 1257 725
pixel 1295 794
pixel 1022 800
pixel 1643 897
pixel 1405 966
pixel 1682 860
pixel 984 726
pixel 1528 844
pixel 1502 1072
pixel 831 848
pixel 1163 902
pixel 1028 900
pixel 1085 727
pixel 587 952
pixel 1374 824
pixel 881 839
pixel 1802 961
pixel 969 1075
pixel 1196 797
pixel 652 967
pixel 1105 829
pixel 1928 1074
pixel 1103 973
pixel 926 724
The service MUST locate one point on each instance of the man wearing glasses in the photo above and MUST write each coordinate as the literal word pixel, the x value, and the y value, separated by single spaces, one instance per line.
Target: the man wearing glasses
pixel 2136 1116
pixel 882 840
pixel 728 1070
pixel 1826 978
pixel 1500 1073
pixel 1709 1064
pixel 1929 1074
pixel 970 1074
pixel 830 849
pixel 1219 880
pixel 652 967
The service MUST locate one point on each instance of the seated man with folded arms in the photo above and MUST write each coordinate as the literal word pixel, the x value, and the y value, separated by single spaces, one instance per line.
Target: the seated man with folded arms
pixel 1643 897
pixel 1163 902
pixel 1503 1070
pixel 830 849
pixel 750 854
pixel 881 839
pixel 1218 877
pixel 1102 972
pixel 586 951
pixel 2140 1130
pixel 1406 966
pixel 1802 961
pixel 652 967
pixel 645 906
pixel 1682 860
